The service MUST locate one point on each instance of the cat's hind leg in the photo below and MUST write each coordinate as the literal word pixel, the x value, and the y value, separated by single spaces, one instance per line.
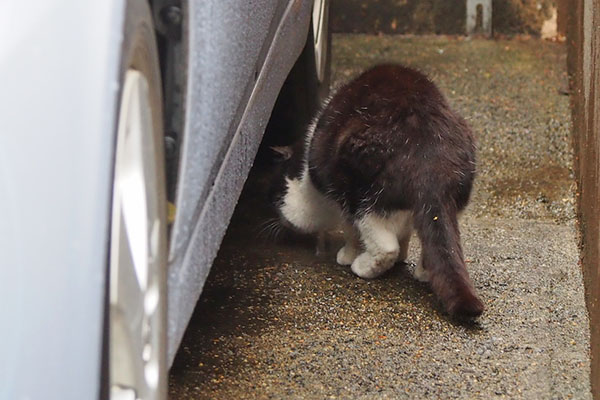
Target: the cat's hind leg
pixel 381 246
pixel 347 254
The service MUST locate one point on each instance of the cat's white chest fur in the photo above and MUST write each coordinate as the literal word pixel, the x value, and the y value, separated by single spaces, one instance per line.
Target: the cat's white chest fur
pixel 307 209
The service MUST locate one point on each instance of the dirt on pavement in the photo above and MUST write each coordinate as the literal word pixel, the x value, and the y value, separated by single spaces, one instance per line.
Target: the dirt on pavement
pixel 276 321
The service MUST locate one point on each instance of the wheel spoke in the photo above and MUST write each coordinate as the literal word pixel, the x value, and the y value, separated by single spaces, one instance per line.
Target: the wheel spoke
pixel 136 259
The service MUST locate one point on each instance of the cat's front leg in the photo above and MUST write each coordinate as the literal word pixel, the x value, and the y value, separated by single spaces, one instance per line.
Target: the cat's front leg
pixel 420 273
pixel 347 254
pixel 322 243
pixel 381 247
pixel 404 244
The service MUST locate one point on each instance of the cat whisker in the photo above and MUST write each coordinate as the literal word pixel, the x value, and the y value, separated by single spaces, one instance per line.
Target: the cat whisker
pixel 267 227
pixel 278 229
pixel 264 224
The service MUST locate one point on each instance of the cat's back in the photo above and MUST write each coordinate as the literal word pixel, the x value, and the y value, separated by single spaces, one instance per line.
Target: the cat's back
pixel 375 114
pixel 387 88
pixel 394 80
pixel 390 118
pixel 385 103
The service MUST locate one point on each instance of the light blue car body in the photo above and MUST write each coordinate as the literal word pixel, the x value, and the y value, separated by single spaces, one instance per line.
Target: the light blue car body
pixel 59 67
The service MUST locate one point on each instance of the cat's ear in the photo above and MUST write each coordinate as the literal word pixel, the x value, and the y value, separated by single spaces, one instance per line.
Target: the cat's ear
pixel 282 153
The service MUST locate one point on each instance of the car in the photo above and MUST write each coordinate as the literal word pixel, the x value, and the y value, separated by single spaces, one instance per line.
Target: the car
pixel 129 128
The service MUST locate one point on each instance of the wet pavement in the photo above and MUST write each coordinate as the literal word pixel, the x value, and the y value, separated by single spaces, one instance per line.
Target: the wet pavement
pixel 276 321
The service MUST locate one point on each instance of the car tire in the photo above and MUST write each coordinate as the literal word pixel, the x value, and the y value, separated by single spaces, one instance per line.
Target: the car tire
pixel 320 35
pixel 304 91
pixel 134 357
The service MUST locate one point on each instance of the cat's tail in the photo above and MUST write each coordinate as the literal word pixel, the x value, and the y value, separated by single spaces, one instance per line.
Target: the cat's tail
pixel 442 257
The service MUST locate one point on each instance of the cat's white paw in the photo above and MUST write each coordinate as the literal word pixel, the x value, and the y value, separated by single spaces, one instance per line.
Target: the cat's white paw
pixel 420 273
pixel 346 255
pixel 365 266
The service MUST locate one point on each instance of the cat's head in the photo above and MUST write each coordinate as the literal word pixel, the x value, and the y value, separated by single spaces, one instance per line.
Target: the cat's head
pixel 287 172
pixel 299 205
pixel 282 159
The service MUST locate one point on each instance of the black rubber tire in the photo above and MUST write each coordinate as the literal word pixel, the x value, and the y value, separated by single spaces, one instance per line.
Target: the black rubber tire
pixel 139 51
pixel 324 86
pixel 300 97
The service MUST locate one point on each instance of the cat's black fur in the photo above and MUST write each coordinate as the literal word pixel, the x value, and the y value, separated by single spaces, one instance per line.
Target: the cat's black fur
pixel 389 141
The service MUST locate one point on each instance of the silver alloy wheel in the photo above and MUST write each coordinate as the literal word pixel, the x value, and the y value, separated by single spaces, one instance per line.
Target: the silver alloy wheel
pixel 137 253
pixel 320 21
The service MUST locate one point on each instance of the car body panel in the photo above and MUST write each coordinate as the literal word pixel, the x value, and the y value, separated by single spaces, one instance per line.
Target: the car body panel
pixel 222 64
pixel 223 129
pixel 60 72
pixel 59 89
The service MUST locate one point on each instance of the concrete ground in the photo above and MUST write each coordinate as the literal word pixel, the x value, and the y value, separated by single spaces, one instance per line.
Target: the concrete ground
pixel 276 321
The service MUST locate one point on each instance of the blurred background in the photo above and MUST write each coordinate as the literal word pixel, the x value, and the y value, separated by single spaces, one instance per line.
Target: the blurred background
pixel 509 17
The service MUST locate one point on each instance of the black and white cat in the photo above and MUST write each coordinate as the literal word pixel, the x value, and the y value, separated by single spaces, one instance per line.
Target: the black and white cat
pixel 385 155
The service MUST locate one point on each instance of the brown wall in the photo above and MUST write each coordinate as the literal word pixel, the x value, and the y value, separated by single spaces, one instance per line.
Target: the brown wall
pixel 583 40
pixel 562 11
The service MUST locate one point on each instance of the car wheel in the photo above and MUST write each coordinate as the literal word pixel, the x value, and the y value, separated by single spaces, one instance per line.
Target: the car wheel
pixel 136 320
pixel 311 75
pixel 321 39
pixel 306 87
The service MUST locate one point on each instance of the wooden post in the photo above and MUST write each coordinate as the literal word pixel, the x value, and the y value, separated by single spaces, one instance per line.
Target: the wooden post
pixel 562 11
pixel 479 10
pixel 583 39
